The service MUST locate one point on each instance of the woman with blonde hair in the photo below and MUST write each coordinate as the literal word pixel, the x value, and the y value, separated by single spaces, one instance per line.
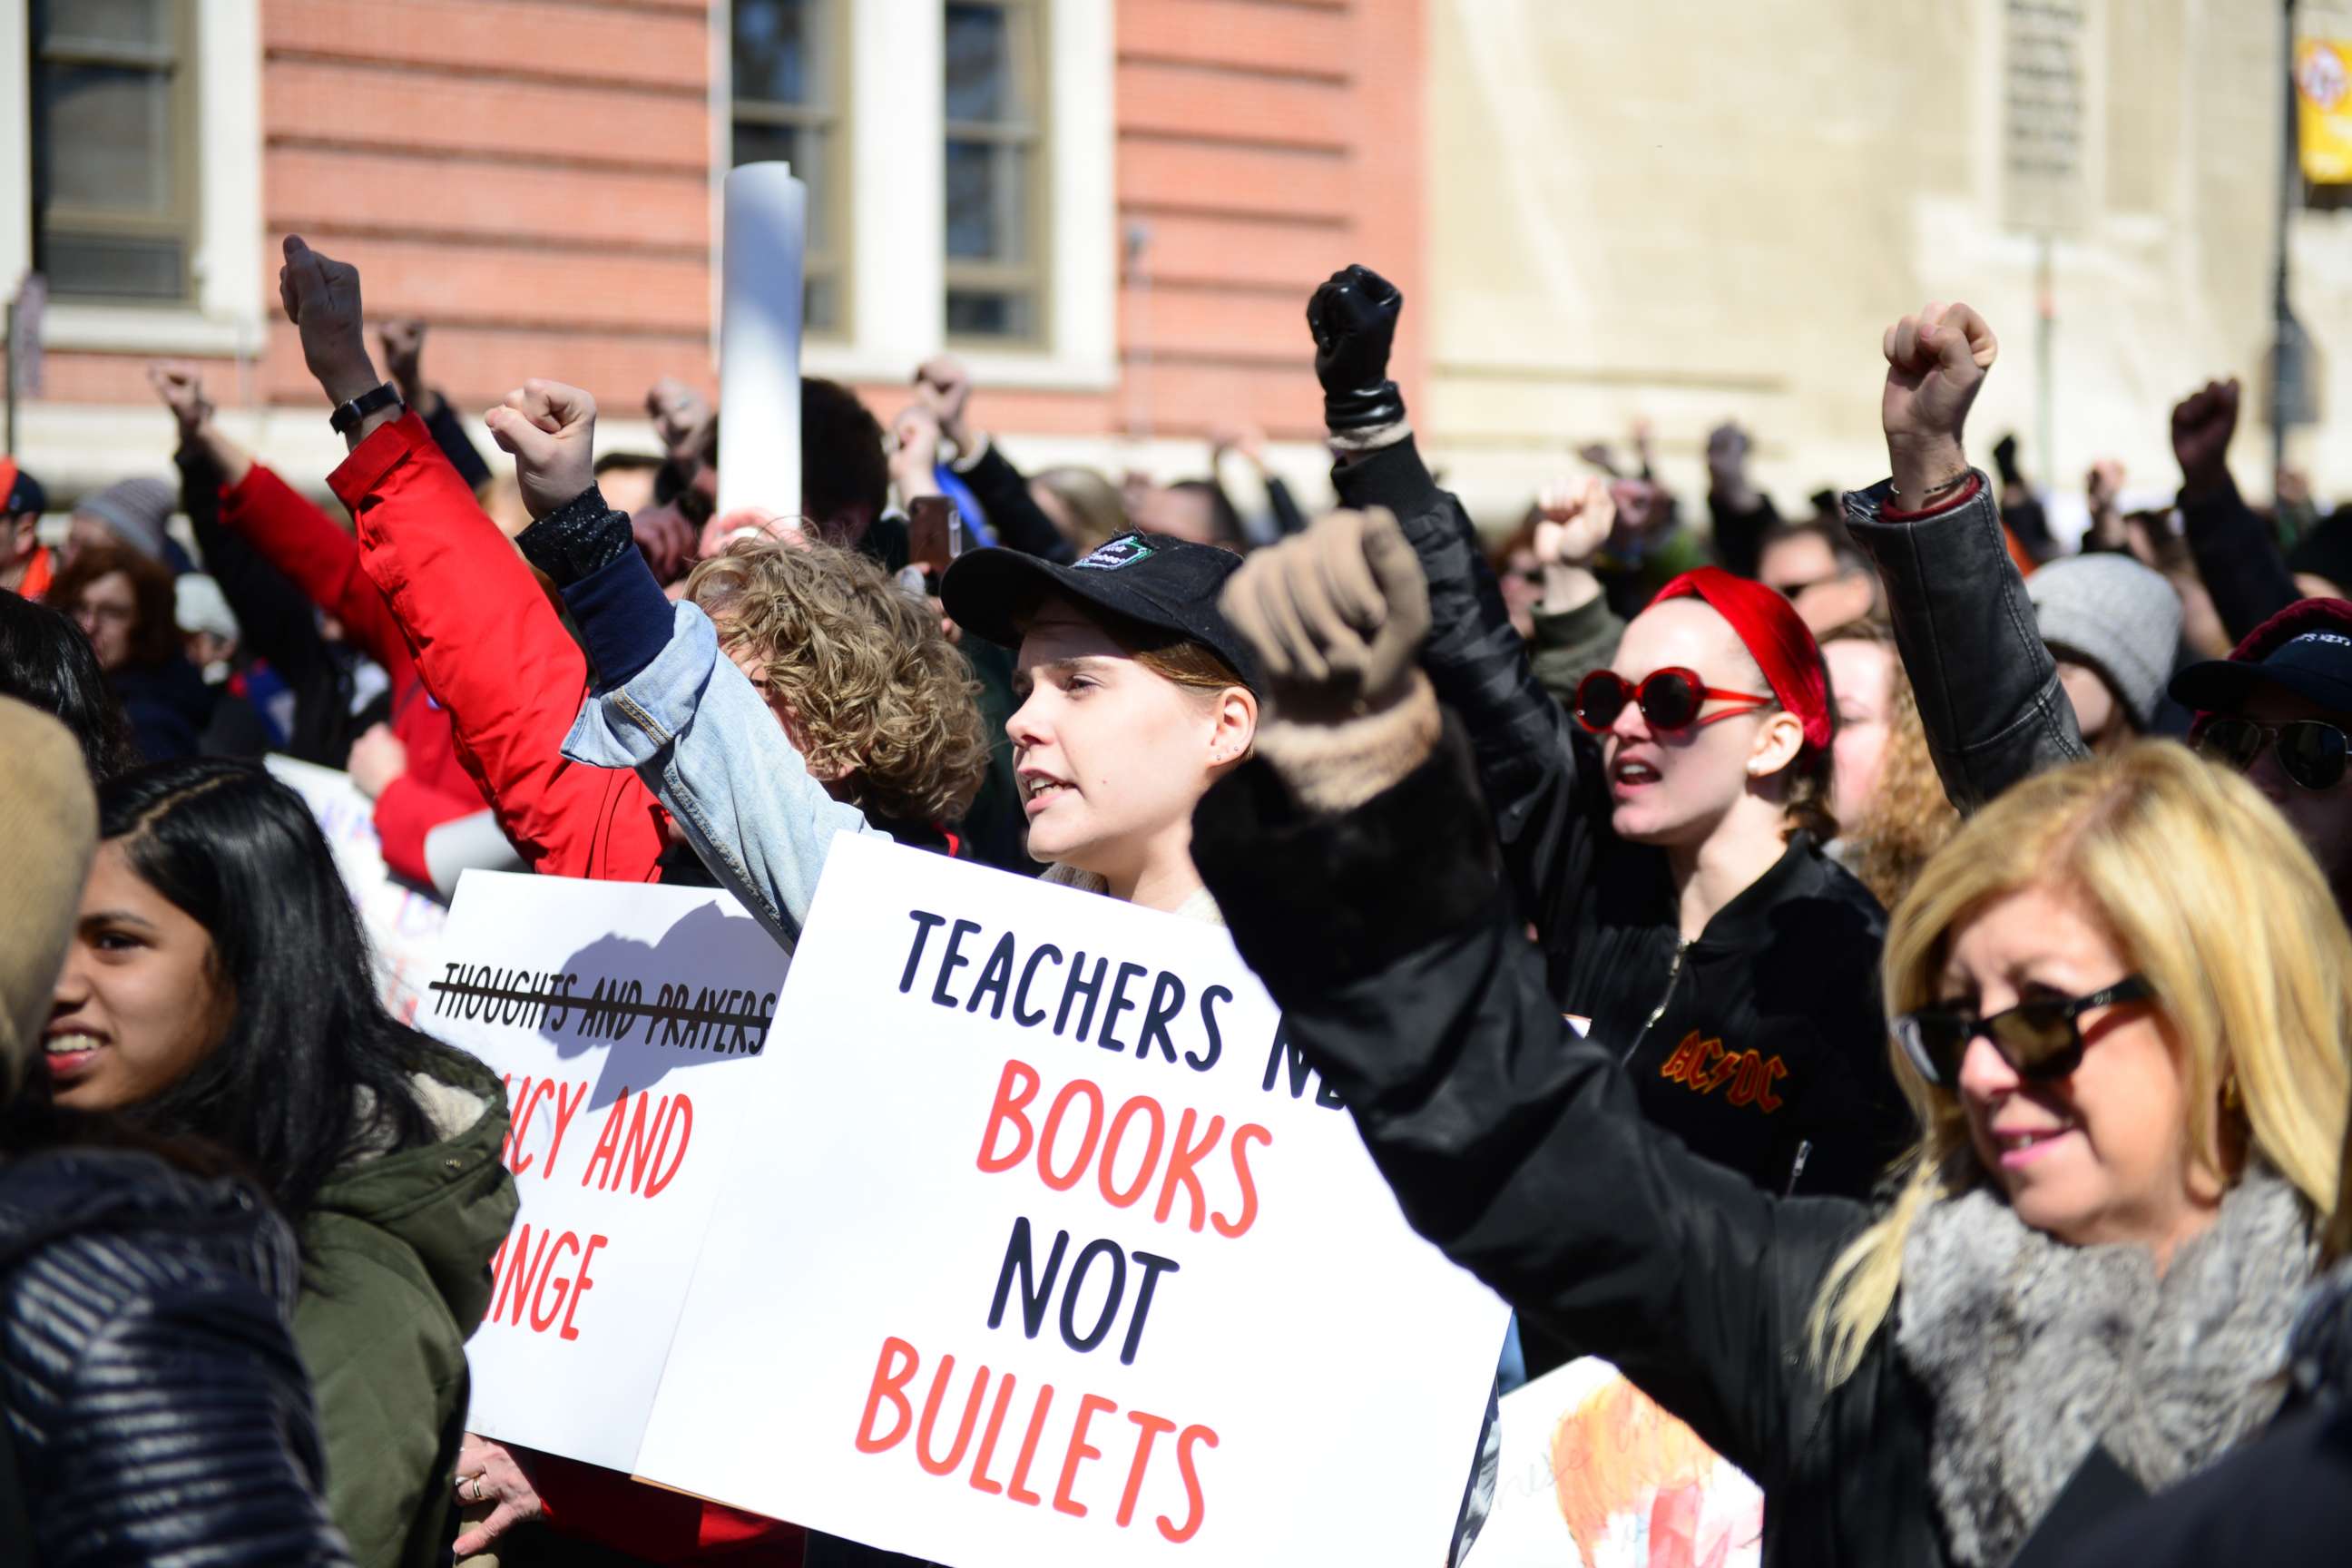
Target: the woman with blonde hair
pixel 2122 1015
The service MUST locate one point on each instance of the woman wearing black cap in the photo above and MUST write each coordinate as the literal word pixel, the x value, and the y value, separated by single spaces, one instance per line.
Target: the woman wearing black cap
pixel 1135 699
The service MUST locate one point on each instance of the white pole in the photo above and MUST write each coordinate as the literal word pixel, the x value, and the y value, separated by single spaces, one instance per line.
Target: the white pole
pixel 766 215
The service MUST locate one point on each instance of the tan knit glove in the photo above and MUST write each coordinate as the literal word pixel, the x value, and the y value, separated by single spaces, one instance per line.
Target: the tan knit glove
pixel 1335 616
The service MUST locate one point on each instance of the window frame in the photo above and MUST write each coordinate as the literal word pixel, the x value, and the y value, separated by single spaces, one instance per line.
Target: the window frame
pixel 837 262
pixel 1030 47
pixel 185 223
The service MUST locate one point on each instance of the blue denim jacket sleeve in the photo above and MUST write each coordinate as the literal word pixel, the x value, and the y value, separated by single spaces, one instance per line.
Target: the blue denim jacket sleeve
pixel 697 734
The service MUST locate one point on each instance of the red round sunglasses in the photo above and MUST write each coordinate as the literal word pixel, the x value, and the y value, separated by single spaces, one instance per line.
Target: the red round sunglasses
pixel 1670 699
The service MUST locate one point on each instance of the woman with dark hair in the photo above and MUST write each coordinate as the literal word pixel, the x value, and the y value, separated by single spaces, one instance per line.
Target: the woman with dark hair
pixel 156 1409
pixel 46 662
pixel 123 601
pixel 218 987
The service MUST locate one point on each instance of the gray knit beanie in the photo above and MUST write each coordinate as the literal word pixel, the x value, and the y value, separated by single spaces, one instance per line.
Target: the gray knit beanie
pixel 135 510
pixel 2116 616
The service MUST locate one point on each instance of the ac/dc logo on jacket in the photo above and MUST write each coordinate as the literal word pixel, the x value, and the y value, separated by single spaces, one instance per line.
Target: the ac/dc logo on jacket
pixel 1704 1065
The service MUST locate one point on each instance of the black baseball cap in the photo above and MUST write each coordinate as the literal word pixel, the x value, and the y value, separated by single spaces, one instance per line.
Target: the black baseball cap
pixel 2316 665
pixel 1151 579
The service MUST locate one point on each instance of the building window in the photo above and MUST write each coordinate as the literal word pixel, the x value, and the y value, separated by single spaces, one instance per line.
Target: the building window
pixel 114 178
pixel 995 282
pixel 788 77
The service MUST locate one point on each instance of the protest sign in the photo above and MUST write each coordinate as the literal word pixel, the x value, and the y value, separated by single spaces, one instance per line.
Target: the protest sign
pixel 630 1024
pixel 402 924
pixel 1051 1251
pixel 1595 1475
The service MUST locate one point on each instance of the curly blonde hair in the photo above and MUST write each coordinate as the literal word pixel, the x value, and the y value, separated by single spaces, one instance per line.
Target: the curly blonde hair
pixel 879 696
pixel 1908 817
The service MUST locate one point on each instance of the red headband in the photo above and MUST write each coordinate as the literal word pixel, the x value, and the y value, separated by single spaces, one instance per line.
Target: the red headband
pixel 1768 627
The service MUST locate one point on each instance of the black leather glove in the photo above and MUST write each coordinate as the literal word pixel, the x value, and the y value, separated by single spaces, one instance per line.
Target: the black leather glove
pixel 1354 317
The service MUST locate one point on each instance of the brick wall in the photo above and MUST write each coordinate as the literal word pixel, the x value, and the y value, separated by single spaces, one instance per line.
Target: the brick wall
pixel 533 178
pixel 1264 143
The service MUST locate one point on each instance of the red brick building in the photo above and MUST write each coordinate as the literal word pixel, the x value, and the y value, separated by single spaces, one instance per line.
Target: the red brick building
pixel 1114 208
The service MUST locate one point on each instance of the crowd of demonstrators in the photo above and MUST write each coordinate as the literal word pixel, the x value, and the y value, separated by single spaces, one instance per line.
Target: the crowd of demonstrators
pixel 2120 1001
pixel 1665 826
pixel 1779 953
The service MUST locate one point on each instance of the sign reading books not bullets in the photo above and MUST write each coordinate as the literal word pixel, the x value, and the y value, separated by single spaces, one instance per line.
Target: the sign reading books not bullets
pixel 1026 1239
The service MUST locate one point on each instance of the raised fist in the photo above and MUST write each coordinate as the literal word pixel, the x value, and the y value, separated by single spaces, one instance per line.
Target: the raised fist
pixel 678 413
pixel 944 384
pixel 2202 425
pixel 551 429
pixel 1354 318
pixel 1335 616
pixel 1726 453
pixel 2104 484
pixel 915 450
pixel 1574 522
pixel 321 297
pixel 403 344
pixel 1936 364
pixel 183 392
pixel 1240 437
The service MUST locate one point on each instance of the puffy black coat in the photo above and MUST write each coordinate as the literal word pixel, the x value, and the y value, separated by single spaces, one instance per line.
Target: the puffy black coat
pixel 158 1410
pixel 1388 937
pixel 1762 1044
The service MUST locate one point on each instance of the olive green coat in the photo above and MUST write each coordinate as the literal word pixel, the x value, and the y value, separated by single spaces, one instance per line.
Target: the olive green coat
pixel 396 1277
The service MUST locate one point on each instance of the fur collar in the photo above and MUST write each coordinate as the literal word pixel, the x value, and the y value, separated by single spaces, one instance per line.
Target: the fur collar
pixel 2033 1352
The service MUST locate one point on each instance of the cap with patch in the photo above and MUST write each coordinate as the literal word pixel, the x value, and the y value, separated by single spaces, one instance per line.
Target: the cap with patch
pixel 2314 665
pixel 1151 579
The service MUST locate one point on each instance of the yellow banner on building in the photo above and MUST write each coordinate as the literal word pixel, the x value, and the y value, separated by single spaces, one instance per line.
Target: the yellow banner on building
pixel 2323 92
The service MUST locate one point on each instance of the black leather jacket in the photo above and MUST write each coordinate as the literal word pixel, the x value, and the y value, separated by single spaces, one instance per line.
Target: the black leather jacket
pixel 1988 689
pixel 157 1408
pixel 1404 977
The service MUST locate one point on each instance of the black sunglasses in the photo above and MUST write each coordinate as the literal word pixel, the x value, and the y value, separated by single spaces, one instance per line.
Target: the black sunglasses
pixel 1669 699
pixel 2041 1040
pixel 2311 754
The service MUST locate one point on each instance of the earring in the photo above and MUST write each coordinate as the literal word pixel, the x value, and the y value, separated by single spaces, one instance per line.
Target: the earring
pixel 2231 1099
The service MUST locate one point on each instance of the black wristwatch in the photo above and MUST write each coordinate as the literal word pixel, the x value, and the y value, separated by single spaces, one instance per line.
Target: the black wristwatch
pixel 352 414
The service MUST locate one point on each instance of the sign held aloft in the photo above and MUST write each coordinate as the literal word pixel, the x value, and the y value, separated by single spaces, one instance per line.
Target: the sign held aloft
pixel 761 266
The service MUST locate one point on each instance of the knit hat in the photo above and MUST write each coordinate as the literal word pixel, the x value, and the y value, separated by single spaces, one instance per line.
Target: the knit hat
pixel 199 606
pixel 2116 616
pixel 135 511
pixel 48 828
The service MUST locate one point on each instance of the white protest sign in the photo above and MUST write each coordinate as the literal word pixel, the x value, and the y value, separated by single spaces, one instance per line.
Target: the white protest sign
pixel 760 271
pixel 1595 1475
pixel 1050 1253
pixel 629 1023
pixel 402 924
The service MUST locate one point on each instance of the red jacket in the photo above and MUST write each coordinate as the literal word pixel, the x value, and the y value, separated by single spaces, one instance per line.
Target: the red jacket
pixel 493 650
pixel 323 561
